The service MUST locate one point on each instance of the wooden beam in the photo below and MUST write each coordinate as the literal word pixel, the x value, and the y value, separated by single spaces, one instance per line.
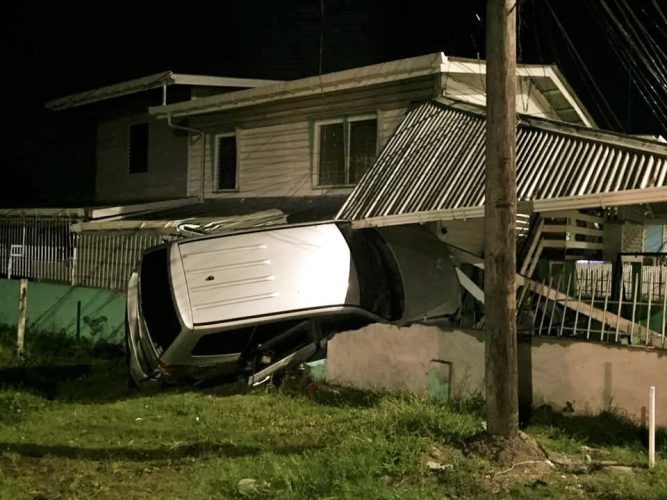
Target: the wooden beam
pixel 587 245
pixel 569 228
pixel 534 245
pixel 587 310
pixel 575 214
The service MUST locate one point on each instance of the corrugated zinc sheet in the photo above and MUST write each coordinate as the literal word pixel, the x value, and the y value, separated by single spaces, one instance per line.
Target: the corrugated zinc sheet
pixel 106 258
pixel 436 158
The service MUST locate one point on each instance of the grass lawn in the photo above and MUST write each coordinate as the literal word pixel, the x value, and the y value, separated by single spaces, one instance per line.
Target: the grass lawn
pixel 71 429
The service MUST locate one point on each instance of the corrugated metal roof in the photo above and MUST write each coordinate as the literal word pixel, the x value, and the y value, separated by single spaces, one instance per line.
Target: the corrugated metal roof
pixel 435 161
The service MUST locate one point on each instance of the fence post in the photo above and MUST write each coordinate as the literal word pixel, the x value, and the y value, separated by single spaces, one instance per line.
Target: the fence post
pixel 634 308
pixel 619 314
pixel 651 428
pixel 23 306
pixel 567 296
pixel 648 310
pixel 73 264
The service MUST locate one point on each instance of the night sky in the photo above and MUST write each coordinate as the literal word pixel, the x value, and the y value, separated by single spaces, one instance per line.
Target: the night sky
pixel 54 48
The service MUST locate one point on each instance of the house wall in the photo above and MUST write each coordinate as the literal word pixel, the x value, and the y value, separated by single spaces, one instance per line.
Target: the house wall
pixel 167 161
pixel 632 238
pixel 275 141
pixel 592 377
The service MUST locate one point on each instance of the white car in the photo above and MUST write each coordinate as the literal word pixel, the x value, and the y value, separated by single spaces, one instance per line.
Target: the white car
pixel 250 303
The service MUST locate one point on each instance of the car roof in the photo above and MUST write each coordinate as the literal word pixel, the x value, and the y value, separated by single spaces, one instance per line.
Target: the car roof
pixel 268 272
pixel 259 229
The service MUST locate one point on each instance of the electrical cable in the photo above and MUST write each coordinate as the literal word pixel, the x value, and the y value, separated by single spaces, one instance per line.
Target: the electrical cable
pixel 662 16
pixel 644 85
pixel 573 49
pixel 639 53
pixel 654 47
pixel 646 90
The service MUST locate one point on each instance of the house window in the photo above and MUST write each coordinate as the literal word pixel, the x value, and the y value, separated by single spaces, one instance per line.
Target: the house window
pixel 344 150
pixel 138 148
pixel 226 162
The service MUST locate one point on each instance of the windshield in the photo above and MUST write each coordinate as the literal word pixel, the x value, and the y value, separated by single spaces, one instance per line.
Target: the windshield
pixel 157 305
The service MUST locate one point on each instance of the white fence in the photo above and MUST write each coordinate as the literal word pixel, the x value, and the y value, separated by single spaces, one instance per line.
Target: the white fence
pixel 46 249
pixel 588 305
pixel 596 278
pixel 39 248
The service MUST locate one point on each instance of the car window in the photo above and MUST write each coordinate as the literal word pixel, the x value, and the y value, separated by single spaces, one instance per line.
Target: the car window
pixel 380 287
pixel 241 339
pixel 157 304
pixel 284 337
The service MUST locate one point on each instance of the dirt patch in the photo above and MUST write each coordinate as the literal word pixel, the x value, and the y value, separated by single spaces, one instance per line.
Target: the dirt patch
pixel 521 460
pixel 507 452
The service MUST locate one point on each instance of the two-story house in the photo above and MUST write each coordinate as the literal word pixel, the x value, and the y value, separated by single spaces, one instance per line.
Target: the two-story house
pixel 173 147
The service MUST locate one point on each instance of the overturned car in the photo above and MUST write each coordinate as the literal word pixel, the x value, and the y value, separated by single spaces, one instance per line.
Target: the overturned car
pixel 248 304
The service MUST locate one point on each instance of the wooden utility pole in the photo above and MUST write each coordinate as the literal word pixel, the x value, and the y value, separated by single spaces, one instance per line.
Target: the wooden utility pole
pixel 502 399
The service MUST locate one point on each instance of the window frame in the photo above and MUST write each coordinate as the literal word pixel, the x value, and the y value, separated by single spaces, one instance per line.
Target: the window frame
pixel 345 121
pixel 216 158
pixel 130 170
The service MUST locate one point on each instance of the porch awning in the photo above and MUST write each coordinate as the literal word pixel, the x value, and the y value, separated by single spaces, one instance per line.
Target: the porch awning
pixel 432 168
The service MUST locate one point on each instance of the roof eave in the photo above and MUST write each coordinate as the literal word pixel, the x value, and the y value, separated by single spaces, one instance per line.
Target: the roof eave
pixel 220 81
pixel 413 67
pixel 478 66
pixel 597 200
pixel 111 91
pixel 151 82
pixel 569 94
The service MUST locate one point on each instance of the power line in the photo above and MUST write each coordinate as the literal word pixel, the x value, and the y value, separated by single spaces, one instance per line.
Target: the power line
pixel 662 16
pixel 649 39
pixel 574 50
pixel 624 48
pixel 640 53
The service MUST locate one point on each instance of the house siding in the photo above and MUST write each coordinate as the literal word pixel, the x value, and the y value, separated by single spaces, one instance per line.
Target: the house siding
pixel 167 159
pixel 275 141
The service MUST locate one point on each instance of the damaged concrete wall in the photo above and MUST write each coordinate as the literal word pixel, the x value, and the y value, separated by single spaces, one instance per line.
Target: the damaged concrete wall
pixel 587 377
pixel 401 358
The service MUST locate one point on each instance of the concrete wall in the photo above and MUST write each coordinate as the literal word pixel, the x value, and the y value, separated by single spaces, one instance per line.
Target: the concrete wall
pixel 591 377
pixel 87 312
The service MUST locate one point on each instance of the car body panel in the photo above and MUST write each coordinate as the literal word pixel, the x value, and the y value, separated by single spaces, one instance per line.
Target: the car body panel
pixel 142 357
pixel 426 271
pixel 263 273
pixel 249 281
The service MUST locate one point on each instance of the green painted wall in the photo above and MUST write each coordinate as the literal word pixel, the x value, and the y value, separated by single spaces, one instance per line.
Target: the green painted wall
pixel 91 313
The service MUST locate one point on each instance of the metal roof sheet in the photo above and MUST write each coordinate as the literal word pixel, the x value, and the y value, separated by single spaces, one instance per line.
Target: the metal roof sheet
pixel 434 164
